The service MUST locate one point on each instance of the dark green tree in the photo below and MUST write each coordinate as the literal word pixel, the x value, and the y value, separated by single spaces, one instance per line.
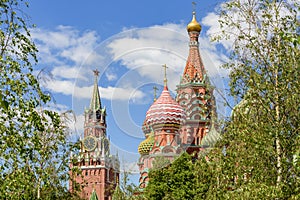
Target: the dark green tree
pixel 175 181
pixel 34 149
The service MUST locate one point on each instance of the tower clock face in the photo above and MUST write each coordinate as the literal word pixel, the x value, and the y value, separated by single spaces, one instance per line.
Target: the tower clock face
pixel 89 143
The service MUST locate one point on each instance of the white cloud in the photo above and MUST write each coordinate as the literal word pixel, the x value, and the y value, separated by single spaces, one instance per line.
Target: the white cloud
pixel 141 52
pixel 211 21
pixel 77 127
pixel 82 51
pixel 165 44
pixel 60 86
pixel 112 93
pixel 121 93
pixel 156 44
pixel 67 72
pixel 110 75
pixel 59 39
pixel 67 48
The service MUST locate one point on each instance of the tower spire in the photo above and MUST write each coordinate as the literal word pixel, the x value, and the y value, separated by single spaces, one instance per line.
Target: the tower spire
pixel 95 101
pixel 194 70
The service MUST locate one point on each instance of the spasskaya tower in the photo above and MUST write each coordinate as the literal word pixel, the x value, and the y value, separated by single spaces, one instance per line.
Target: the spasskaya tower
pixel 99 170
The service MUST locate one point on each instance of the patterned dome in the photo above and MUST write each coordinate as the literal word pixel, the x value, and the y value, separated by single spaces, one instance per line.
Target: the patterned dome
pixel 146 145
pixel 165 110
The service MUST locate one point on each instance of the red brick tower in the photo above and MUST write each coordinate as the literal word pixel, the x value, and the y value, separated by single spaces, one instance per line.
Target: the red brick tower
pixel 195 93
pixel 99 169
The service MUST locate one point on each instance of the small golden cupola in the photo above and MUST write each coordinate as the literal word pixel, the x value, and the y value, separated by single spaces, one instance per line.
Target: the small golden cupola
pixel 194 25
pixel 146 145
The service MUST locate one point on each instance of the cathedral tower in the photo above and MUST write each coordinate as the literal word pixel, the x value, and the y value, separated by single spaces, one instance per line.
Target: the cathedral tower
pixel 195 93
pixel 99 169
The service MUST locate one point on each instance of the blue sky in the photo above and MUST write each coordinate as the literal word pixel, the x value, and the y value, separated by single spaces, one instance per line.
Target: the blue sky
pixel 127 41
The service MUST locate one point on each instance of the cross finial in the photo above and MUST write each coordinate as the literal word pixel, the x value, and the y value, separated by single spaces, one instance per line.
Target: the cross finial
pixel 165 78
pixel 194 6
pixel 155 89
pixel 96 72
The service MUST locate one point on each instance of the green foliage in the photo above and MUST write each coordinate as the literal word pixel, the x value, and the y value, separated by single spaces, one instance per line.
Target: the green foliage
pixel 262 137
pixel 176 181
pixel 160 162
pixel 34 149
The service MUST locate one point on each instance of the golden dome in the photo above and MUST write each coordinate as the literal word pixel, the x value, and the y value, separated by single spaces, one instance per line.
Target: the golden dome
pixel 194 25
pixel 146 145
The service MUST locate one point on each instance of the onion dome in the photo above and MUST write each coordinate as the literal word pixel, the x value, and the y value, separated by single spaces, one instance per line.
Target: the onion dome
pixel 194 25
pixel 165 110
pixel 146 145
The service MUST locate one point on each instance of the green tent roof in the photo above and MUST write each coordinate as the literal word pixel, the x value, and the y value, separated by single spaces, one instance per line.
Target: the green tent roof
pixel 94 196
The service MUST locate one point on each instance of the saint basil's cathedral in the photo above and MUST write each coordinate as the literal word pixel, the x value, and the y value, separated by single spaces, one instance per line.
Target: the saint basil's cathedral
pixel 171 127
pixel 185 123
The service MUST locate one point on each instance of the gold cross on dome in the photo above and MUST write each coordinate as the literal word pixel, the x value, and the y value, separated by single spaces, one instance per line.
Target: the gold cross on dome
pixel 194 6
pixel 165 78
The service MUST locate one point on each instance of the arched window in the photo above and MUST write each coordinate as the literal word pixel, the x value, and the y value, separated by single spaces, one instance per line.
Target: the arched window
pixel 98 114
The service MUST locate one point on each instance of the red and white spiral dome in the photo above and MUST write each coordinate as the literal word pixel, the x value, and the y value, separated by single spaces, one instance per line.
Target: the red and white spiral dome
pixel 165 110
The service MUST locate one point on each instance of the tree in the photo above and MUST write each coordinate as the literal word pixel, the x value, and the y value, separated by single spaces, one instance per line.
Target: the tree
pixel 34 148
pixel 262 138
pixel 160 162
pixel 176 181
